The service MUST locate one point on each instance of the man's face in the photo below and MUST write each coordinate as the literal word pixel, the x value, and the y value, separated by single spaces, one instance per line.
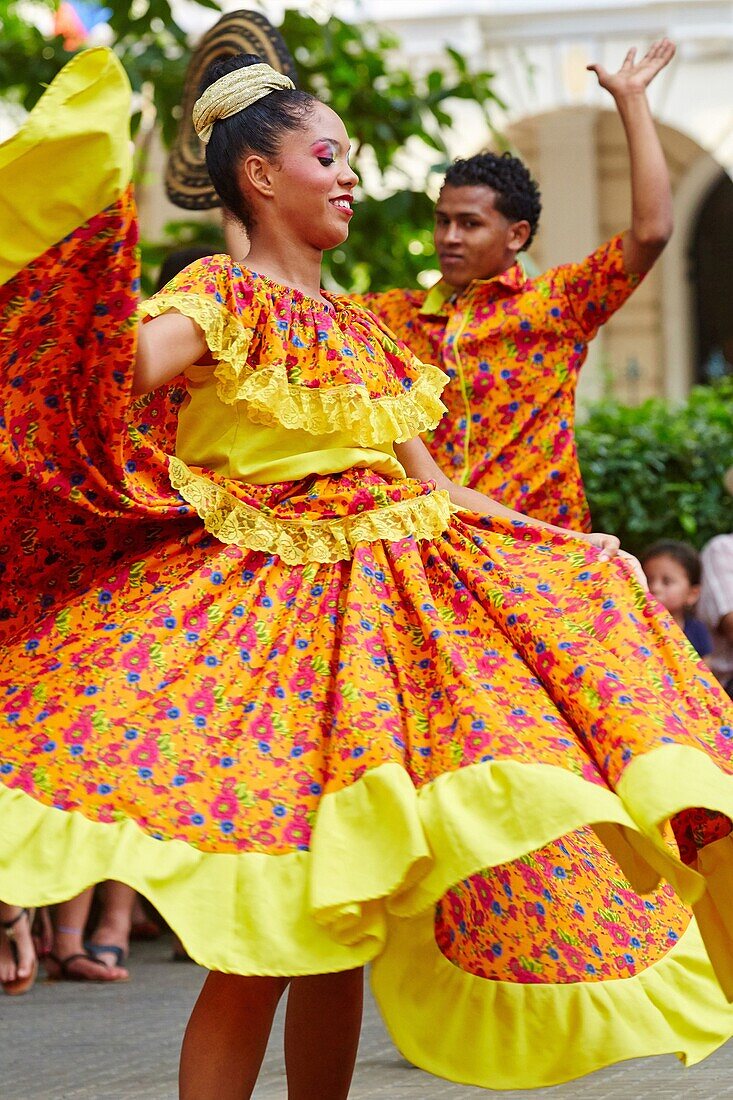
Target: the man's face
pixel 473 240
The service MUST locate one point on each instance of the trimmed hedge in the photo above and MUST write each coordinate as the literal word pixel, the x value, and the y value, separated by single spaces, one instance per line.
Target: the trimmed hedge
pixel 652 471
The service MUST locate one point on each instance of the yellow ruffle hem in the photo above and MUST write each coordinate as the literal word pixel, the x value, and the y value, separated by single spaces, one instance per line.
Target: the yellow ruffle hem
pixel 382 855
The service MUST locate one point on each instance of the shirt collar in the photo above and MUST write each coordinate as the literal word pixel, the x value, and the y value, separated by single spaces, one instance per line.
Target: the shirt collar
pixel 513 279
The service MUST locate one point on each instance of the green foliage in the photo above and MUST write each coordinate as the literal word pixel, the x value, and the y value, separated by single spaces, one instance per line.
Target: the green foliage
pixel 389 110
pixel 654 472
pixel 390 243
pixel 154 51
pixel 25 51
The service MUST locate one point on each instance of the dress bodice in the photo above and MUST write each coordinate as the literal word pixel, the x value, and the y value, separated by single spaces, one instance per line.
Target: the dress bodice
pixel 294 385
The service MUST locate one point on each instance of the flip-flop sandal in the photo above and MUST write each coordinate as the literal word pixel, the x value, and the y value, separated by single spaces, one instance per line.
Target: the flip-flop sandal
pixel 96 950
pixel 63 969
pixel 17 986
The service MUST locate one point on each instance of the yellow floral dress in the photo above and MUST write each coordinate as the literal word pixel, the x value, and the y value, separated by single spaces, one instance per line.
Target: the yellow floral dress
pixel 317 716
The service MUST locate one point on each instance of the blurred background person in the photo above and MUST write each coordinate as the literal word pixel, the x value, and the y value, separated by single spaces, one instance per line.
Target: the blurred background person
pixel 673 571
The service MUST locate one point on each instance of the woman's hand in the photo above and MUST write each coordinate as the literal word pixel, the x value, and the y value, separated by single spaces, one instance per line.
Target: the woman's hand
pixel 635 566
pixel 609 545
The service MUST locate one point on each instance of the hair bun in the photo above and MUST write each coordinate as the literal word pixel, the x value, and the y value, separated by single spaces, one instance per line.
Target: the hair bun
pixel 237 90
pixel 221 66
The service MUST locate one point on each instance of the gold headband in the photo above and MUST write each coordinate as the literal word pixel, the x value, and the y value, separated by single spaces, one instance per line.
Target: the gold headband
pixel 234 92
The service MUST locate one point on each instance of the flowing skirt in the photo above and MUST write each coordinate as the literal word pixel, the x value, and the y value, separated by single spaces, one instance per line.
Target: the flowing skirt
pixel 461 757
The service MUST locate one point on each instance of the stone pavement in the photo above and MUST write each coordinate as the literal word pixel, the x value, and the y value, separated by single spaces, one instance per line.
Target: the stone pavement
pixel 71 1041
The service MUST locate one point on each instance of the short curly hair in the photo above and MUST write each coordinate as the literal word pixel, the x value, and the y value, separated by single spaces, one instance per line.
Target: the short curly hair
pixel 517 194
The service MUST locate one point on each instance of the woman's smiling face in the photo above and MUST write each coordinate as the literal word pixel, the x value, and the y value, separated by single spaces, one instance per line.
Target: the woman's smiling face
pixel 311 183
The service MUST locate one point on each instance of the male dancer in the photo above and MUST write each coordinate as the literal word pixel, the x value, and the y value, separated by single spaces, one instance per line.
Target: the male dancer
pixel 513 346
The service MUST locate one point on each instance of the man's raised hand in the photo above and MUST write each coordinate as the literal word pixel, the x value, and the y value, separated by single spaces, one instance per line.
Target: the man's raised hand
pixel 635 76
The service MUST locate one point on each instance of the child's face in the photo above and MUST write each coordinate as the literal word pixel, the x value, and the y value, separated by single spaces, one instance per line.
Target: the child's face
pixel 669 583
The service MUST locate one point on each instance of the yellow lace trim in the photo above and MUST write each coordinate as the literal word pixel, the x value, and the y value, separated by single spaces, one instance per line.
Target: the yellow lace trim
pixel 300 540
pixel 271 399
pixel 226 336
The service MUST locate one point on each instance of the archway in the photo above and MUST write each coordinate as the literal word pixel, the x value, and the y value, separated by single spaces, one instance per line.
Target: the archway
pixel 711 271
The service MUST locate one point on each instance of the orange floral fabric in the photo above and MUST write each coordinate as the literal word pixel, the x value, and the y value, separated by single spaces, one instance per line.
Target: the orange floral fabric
pixel 560 915
pixel 214 694
pixel 513 348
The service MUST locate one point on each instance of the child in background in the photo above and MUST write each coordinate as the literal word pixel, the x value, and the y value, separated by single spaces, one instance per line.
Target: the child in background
pixel 674 572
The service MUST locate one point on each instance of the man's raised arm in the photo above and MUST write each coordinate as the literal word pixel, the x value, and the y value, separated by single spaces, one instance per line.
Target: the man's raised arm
pixel 651 192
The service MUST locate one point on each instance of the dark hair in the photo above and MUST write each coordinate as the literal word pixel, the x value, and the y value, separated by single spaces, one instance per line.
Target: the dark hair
pixel 179 258
pixel 517 194
pixel 681 552
pixel 257 129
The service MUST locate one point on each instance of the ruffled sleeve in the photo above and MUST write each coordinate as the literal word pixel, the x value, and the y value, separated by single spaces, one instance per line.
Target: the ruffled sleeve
pixel 204 292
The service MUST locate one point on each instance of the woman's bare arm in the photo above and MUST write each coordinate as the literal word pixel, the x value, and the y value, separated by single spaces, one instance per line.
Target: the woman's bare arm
pixel 166 346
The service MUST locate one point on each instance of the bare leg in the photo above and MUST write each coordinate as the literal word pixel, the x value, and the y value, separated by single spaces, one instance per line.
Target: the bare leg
pixel 43 931
pixel 115 922
pixel 226 1037
pixel 144 926
pixel 322 1029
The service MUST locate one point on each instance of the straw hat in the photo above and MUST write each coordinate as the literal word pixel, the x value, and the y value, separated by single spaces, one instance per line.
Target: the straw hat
pixel 186 179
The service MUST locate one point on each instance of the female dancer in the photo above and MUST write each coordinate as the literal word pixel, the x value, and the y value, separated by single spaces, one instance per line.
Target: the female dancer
pixel 269 667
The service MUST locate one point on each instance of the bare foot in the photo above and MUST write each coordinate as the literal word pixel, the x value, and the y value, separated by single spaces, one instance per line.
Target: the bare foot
pixel 17 953
pixel 113 930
